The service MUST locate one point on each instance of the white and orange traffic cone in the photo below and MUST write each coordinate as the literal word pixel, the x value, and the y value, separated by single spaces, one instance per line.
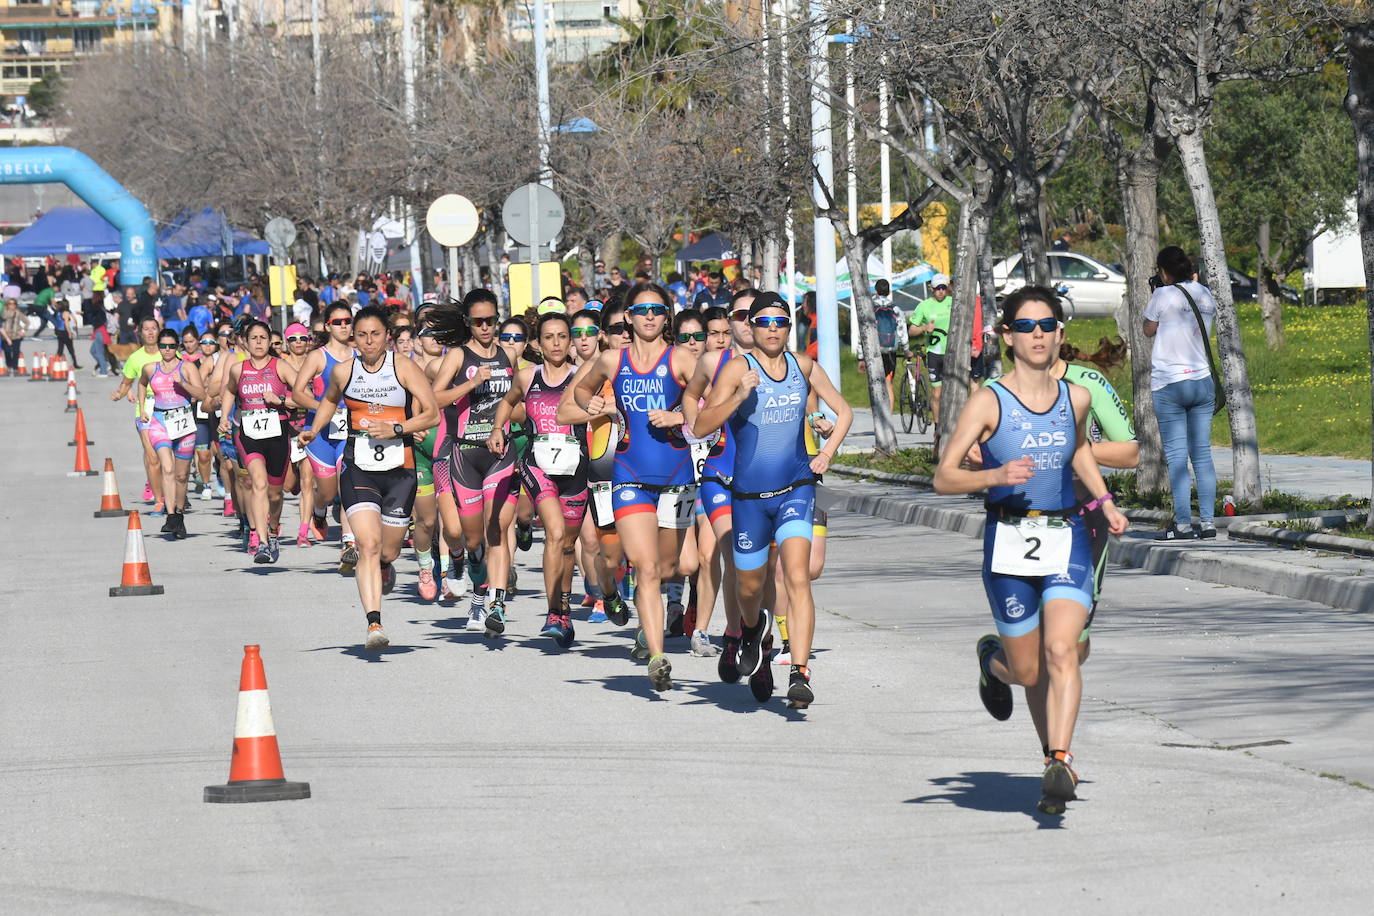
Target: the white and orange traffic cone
pixel 255 771
pixel 82 466
pixel 5 370
pixel 71 394
pixel 40 360
pixel 110 506
pixel 79 434
pixel 59 370
pixel 137 578
pixel 22 370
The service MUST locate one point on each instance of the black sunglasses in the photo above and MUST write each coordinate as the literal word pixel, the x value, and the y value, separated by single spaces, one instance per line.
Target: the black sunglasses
pixel 482 320
pixel 167 346
pixel 691 335
pixel 618 327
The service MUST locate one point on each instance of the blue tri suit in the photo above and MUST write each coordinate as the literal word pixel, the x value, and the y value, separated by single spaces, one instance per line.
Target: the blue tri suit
pixel 1050 440
pixel 773 492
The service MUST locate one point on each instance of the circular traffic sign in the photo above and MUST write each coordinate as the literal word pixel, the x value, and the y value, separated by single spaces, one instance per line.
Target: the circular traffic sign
pixel 280 232
pixel 451 220
pixel 533 210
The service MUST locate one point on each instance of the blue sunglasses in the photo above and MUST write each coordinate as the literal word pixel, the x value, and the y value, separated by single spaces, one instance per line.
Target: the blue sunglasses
pixel 1028 325
pixel 645 308
pixel 771 321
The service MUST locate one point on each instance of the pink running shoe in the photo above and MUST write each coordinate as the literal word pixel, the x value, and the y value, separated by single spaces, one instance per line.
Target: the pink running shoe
pixel 303 536
pixel 147 492
pixel 229 507
pixel 253 542
pixel 429 589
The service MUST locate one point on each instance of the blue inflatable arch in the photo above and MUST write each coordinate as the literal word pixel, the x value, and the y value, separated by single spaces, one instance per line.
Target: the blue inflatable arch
pixel 137 237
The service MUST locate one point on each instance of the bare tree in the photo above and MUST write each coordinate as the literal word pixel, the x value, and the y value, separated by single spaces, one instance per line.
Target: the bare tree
pixel 1359 39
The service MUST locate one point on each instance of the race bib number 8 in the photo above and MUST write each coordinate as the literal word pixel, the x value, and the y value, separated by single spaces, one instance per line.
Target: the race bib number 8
pixel 338 425
pixel 557 456
pixel 261 424
pixel 179 422
pixel 378 454
pixel 1032 547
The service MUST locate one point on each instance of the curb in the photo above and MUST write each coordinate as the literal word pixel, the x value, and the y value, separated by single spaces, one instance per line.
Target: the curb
pixel 1186 560
pixel 1307 539
pixel 915 480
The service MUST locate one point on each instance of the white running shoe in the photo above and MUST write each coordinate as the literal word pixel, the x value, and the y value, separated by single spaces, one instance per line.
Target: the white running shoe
pixel 702 645
pixel 376 638
pixel 459 585
pixel 477 618
pixel 206 493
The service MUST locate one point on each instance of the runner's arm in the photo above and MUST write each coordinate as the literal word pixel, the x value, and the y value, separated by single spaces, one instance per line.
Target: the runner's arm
pixel 978 418
pixel 1119 448
pixel 586 388
pixel 226 397
pixel 1085 465
pixel 302 391
pixel 731 389
pixel 844 414
pixel 191 380
pixel 328 404
pixel 505 407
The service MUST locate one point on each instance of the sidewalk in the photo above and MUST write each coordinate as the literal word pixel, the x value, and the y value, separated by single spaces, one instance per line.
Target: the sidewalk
pixel 1303 475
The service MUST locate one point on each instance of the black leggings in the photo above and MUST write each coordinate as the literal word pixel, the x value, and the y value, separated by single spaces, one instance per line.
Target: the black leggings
pixel 64 342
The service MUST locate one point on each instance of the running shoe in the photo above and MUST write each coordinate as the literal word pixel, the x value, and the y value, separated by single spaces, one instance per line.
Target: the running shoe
pixel 550 624
pixel 799 692
pixel 702 645
pixel 728 666
pixel 1178 533
pixel 751 653
pixel 274 548
pixel 319 525
pixel 1207 531
pixel 429 589
pixel 761 681
pixel 588 600
pixel 512 581
pixel 569 634
pixel 147 492
pixel 598 614
pixel 617 610
pixel 661 673
pixel 159 509
pixel 229 508
pixel 676 613
pixel 785 656
pixel 180 531
pixel 496 619
pixel 524 536
pixel 263 554
pixel 252 541
pixel 1058 783
pixel 169 523
pixel 206 494
pixel 376 637
pixel 641 647
pixel 388 578
pixel 996 696
pixel 459 583
pixel 477 618
pixel 348 558
pixel 303 536
pixel 219 490
pixel 558 626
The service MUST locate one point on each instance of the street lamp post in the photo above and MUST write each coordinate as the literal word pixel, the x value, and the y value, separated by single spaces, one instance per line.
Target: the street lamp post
pixel 827 304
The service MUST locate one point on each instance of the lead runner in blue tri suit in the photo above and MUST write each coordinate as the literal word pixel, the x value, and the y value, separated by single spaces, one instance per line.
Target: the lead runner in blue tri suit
pixel 653 487
pixel 763 395
pixel 1037 565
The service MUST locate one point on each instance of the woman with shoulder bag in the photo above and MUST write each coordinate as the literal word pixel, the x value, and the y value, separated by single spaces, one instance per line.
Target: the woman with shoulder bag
pixel 1183 378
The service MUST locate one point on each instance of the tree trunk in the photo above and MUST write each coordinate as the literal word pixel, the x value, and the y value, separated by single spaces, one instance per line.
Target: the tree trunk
pixel 1235 377
pixel 1026 201
pixel 1137 177
pixel 884 431
pixel 744 247
pixel 772 254
pixel 1359 104
pixel 610 250
pixel 586 265
pixel 1271 307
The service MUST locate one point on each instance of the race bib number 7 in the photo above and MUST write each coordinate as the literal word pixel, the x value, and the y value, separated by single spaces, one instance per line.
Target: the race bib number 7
pixel 1032 547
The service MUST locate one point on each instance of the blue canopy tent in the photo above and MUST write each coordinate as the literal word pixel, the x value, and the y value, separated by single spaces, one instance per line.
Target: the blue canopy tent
pixel 65 230
pixel 713 247
pixel 204 234
pixel 80 230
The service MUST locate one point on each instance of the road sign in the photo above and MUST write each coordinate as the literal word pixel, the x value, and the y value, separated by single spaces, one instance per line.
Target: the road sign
pixel 451 220
pixel 280 233
pixel 533 214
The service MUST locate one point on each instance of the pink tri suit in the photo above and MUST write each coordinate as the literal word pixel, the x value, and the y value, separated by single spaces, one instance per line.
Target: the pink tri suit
pixel 556 466
pixel 172 414
pixel 257 435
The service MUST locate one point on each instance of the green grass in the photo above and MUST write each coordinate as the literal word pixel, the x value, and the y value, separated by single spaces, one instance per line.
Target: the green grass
pixel 1123 485
pixel 904 461
pixel 1311 396
pixel 1354 529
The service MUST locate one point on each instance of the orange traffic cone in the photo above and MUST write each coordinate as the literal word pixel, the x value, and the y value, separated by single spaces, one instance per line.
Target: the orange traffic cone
pixel 80 432
pixel 22 370
pixel 39 361
pixel 110 506
pixel 255 773
pixel 83 461
pixel 137 579
pixel 5 370
pixel 58 372
pixel 71 394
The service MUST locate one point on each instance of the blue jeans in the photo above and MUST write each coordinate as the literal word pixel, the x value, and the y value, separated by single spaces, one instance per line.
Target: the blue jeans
pixel 1184 411
pixel 98 353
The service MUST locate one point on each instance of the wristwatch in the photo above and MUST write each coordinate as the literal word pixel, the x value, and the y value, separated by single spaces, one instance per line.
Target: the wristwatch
pixel 398 429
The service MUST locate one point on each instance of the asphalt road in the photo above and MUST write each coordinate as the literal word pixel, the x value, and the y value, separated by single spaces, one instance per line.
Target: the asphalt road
pixel 454 773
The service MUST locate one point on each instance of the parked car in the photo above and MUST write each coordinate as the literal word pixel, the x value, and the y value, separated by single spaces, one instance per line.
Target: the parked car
pixel 1245 289
pixel 1096 289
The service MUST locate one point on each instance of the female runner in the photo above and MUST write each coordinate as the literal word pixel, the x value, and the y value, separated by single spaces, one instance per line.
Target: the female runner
pixel 484 483
pixel 170 423
pixel 688 334
pixel 653 491
pixel 773 495
pixel 1037 566
pixel 388 401
pixel 555 471
pixel 259 387
pixel 300 478
pixel 514 338
pixel 453 582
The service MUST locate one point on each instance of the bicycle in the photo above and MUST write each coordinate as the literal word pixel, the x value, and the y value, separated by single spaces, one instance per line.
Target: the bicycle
pixel 914 392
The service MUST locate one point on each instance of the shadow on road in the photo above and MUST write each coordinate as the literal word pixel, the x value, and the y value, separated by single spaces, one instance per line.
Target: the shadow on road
pixel 999 793
pixel 368 655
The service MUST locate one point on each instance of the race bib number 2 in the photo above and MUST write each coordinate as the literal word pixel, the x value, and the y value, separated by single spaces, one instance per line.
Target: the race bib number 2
pixel 1037 546
pixel 338 425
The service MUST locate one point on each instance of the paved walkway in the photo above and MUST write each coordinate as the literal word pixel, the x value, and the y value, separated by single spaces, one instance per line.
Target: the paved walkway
pixel 454 773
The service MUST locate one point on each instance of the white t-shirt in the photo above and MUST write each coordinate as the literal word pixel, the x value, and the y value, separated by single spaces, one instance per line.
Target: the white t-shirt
pixel 301 311
pixel 1178 353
